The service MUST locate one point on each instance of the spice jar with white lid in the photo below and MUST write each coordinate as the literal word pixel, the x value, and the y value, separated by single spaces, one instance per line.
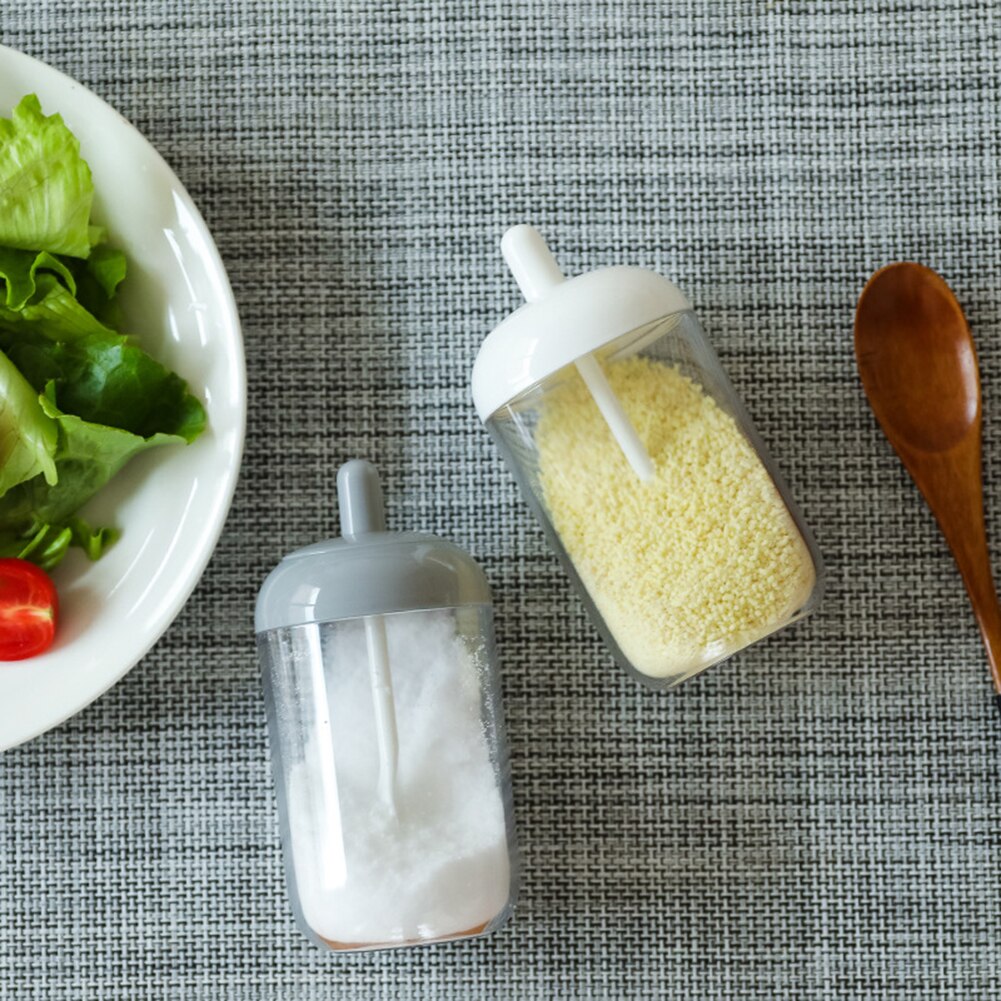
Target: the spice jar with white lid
pixel 386 733
pixel 642 465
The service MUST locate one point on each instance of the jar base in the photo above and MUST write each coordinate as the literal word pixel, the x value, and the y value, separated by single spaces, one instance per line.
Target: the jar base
pixel 368 946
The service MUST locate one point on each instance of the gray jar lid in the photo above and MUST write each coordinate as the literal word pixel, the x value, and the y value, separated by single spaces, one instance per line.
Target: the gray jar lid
pixel 369 571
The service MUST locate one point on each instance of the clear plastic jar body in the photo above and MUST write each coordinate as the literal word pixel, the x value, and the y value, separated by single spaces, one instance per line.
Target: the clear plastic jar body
pixel 682 570
pixel 442 864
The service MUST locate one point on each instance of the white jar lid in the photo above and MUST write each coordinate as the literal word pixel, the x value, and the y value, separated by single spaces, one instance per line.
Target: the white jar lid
pixel 563 319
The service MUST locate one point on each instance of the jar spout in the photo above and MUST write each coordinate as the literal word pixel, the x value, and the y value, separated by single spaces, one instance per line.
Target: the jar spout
pixel 531 261
pixel 359 497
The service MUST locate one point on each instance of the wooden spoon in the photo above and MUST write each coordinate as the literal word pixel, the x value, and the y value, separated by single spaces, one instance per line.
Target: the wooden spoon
pixel 919 369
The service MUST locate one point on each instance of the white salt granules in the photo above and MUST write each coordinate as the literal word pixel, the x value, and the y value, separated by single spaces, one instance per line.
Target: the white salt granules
pixel 441 868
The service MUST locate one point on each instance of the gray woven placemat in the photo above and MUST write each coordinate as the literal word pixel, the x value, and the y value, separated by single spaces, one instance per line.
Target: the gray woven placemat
pixel 820 817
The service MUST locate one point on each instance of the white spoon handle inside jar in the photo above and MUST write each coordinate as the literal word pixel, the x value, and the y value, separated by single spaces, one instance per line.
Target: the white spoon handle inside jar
pixel 536 271
pixel 359 496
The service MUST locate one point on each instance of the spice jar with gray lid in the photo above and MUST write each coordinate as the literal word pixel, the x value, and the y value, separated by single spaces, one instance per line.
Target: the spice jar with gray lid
pixel 386 734
pixel 642 465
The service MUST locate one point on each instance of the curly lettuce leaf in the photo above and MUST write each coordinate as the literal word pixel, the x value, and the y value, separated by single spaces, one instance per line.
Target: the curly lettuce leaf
pixel 97 280
pixel 28 436
pixel 114 401
pixel 107 267
pixel 19 270
pixel 35 515
pixel 52 311
pixel 47 544
pixel 99 375
pixel 46 191
pixel 93 541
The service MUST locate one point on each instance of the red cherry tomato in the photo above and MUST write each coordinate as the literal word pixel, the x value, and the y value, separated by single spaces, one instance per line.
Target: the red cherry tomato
pixel 28 609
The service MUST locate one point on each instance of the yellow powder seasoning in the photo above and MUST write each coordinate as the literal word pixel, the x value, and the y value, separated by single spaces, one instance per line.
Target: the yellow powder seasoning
pixel 697 562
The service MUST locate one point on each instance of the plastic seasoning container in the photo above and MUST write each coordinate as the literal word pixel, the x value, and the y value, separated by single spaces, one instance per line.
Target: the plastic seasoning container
pixel 642 465
pixel 386 734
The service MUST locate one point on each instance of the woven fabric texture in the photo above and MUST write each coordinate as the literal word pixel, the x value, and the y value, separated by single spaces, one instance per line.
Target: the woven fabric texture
pixel 819 818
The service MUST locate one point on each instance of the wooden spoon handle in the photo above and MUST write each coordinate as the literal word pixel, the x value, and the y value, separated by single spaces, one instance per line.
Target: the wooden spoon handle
pixel 974 565
pixel 951 484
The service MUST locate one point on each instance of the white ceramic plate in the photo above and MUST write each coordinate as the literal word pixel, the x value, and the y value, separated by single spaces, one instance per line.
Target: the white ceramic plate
pixel 170 503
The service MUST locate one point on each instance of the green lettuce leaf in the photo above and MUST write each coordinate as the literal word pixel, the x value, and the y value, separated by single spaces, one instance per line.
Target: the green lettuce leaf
pixel 87 456
pixel 107 267
pixel 93 541
pixel 28 436
pixel 99 375
pixel 97 280
pixel 47 544
pixel 19 270
pixel 46 190
pixel 52 311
